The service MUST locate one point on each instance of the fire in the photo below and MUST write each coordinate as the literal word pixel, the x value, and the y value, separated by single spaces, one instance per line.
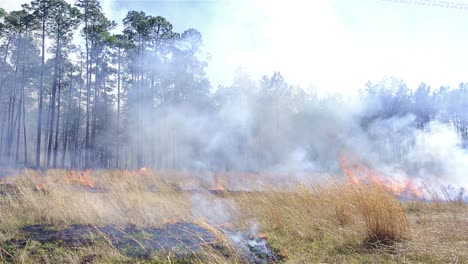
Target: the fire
pixel 188 185
pixel 41 186
pixel 180 186
pixel 171 220
pixel 80 178
pixel 128 174
pixel 227 226
pixel 359 174
pixel 142 170
pixel 349 171
pixel 85 179
pixel 72 178
pixel 219 186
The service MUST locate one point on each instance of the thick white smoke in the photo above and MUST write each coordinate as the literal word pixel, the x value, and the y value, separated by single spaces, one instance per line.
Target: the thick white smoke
pixel 298 135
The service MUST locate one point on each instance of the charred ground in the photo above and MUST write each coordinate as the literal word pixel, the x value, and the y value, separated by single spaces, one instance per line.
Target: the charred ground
pixel 145 216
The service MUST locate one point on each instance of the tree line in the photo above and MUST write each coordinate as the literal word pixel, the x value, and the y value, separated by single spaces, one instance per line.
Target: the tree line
pixel 95 104
pixel 76 95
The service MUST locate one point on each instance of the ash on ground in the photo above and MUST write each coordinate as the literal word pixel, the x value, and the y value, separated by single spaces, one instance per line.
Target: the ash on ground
pixel 183 239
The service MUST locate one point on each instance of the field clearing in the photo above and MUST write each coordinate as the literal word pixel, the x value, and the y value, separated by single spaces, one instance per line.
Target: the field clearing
pixel 336 222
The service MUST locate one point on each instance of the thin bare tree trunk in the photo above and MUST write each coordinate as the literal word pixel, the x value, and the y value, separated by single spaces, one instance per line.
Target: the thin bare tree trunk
pixel 41 94
pixel 66 122
pixel 52 103
pixel 58 118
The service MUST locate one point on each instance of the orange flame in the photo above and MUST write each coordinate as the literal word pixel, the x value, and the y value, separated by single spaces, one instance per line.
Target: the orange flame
pixel 219 186
pixel 359 174
pixel 188 185
pixel 171 220
pixel 142 170
pixel 81 179
pixel 39 183
pixel 41 186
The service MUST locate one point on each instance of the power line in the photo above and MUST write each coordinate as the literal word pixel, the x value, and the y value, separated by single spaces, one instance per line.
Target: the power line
pixel 432 3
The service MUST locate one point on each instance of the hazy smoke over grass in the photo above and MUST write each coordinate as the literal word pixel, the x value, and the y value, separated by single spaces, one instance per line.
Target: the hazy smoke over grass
pixel 284 130
pixel 145 94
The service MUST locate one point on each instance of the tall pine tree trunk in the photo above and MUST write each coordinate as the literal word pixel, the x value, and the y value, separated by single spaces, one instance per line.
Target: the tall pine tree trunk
pixel 57 126
pixel 52 103
pixel 77 125
pixel 67 121
pixel 88 94
pixel 21 106
pixel 2 74
pixel 117 146
pixel 41 94
pixel 95 111
pixel 12 104
pixel 24 131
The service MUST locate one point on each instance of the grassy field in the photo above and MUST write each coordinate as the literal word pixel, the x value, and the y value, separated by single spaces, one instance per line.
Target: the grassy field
pixel 335 222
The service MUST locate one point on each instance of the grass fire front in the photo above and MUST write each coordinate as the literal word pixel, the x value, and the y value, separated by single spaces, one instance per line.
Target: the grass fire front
pixel 150 217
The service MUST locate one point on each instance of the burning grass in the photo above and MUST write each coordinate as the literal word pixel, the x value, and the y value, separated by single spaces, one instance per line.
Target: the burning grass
pixel 142 210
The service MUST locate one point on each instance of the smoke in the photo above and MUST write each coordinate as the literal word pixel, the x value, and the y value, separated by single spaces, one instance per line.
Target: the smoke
pixel 437 155
pixel 273 127
pixel 300 138
pixel 214 210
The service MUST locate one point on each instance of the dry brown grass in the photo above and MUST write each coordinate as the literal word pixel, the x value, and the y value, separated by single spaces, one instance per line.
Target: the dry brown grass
pixel 385 219
pixel 336 222
pixel 63 204
pixel 327 219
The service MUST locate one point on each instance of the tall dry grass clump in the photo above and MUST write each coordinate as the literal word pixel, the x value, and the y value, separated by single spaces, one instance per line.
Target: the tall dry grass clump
pixel 383 215
pixel 370 208
pixel 323 220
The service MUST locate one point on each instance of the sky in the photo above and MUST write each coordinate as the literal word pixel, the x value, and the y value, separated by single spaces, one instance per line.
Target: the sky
pixel 331 45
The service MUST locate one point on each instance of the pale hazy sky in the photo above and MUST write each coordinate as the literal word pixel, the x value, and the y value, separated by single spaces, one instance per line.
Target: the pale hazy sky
pixel 334 45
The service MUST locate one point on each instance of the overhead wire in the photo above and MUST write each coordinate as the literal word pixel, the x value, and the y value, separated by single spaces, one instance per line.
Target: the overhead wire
pixel 433 3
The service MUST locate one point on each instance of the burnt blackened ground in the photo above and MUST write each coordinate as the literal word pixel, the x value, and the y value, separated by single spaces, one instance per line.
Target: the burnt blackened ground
pixel 8 189
pixel 183 240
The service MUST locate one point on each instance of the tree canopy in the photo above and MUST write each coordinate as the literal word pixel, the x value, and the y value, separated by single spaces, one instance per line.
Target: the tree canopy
pixel 141 97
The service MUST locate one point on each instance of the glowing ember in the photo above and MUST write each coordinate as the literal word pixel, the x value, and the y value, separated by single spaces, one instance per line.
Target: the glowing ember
pixel 142 170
